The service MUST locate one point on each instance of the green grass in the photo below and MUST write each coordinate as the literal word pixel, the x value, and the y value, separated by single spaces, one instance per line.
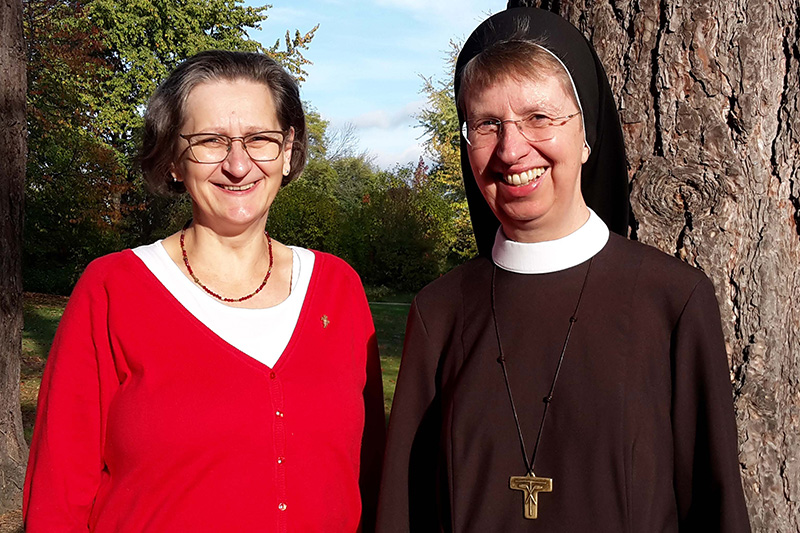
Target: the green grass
pixel 385 294
pixel 390 326
pixel 42 313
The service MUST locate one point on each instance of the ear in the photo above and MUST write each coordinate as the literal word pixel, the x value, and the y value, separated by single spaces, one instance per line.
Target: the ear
pixel 585 151
pixel 287 152
pixel 173 171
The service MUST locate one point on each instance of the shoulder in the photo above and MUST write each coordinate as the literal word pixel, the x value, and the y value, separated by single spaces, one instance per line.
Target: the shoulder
pixel 107 279
pixel 453 282
pixel 112 260
pixel 653 262
pixel 330 265
pixel 333 279
pixel 656 276
pixel 447 294
pixel 110 267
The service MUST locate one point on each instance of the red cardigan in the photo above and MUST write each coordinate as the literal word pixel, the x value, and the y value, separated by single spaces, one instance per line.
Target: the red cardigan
pixel 148 421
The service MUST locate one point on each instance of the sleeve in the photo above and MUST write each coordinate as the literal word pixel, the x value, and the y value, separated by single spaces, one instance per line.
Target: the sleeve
pixel 65 464
pixel 374 438
pixel 409 486
pixel 707 479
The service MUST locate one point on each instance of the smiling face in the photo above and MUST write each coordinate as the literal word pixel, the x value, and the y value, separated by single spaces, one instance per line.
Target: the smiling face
pixel 237 192
pixel 532 187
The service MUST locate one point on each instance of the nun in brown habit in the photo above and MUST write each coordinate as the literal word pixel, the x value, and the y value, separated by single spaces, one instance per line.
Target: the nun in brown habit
pixel 568 379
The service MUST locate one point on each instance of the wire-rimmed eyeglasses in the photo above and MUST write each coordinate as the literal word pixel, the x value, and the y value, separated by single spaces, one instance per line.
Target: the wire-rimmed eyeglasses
pixel 215 147
pixel 483 132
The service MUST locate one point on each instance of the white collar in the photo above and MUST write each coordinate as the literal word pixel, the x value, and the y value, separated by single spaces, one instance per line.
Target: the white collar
pixel 551 256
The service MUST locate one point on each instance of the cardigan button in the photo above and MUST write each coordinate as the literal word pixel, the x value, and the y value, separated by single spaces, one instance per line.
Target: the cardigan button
pixel 279 414
pixel 281 506
pixel 272 375
pixel 281 460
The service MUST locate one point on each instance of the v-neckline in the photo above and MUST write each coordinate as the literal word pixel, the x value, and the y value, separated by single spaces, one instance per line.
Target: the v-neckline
pixel 198 324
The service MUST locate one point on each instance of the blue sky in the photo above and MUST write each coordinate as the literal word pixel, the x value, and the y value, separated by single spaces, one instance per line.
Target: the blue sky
pixel 368 56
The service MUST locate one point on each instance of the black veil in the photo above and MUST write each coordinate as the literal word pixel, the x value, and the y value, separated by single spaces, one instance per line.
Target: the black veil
pixel 604 178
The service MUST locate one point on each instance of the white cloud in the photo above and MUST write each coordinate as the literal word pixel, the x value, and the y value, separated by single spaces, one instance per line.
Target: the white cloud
pixel 383 119
pixel 389 159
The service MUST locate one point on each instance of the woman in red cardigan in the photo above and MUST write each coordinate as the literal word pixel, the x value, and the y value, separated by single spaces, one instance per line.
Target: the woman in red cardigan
pixel 216 380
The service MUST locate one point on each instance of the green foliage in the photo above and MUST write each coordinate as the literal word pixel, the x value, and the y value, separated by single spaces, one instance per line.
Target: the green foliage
pixel 73 177
pixel 356 178
pixel 439 120
pixel 394 236
pixel 317 128
pixel 303 215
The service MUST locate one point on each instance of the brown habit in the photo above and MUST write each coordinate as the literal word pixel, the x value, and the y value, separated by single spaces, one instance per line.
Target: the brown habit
pixel 640 436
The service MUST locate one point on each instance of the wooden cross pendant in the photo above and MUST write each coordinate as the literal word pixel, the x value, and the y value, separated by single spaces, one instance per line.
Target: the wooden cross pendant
pixel 531 486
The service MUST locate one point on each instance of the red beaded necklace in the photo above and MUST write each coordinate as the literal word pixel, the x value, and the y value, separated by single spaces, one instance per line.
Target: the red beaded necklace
pixel 209 291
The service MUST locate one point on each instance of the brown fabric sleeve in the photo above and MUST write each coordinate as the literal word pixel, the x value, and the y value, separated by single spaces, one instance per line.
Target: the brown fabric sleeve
pixel 408 500
pixel 707 482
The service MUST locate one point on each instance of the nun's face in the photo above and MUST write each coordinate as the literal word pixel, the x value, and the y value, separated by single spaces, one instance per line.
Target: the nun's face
pixel 532 186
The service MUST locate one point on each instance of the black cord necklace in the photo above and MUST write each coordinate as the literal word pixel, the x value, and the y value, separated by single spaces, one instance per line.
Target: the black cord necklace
pixel 529 484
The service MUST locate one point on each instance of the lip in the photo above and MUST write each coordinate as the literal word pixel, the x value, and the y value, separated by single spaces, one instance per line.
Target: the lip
pixel 240 189
pixel 525 176
pixel 518 191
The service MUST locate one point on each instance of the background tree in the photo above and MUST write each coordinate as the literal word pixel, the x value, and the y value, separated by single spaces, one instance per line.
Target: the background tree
pixel 395 236
pixel 439 121
pixel 13 451
pixel 709 97
pixel 72 172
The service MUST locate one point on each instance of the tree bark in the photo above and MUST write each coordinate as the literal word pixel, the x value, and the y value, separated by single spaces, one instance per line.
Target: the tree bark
pixel 708 92
pixel 13 131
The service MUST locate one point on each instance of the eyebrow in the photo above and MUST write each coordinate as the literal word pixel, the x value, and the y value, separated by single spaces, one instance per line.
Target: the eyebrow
pixel 247 131
pixel 532 110
pixel 538 106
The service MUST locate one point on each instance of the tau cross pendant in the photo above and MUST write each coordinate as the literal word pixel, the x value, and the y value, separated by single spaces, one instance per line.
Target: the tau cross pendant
pixel 531 486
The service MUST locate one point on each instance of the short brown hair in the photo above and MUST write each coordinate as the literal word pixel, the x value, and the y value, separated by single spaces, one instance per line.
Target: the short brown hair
pixel 517 59
pixel 166 110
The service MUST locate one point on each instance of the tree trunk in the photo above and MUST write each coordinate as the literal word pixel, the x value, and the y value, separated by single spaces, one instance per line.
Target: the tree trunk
pixel 13 450
pixel 708 95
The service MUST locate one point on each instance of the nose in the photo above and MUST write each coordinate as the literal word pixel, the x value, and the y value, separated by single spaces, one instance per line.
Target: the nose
pixel 238 162
pixel 511 145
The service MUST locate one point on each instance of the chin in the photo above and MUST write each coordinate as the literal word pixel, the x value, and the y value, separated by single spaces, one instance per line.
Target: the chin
pixel 526 220
pixel 524 216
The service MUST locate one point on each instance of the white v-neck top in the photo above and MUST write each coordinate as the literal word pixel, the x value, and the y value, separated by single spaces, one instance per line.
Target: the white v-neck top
pixel 551 256
pixel 263 334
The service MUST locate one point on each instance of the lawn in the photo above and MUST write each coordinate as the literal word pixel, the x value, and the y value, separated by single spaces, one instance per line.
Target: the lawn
pixel 390 325
pixel 42 313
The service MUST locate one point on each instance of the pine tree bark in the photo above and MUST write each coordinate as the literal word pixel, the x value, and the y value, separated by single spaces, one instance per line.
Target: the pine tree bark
pixel 709 96
pixel 13 131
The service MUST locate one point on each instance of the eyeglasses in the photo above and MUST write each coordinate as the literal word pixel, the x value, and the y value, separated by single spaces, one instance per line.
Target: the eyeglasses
pixel 215 147
pixel 483 132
